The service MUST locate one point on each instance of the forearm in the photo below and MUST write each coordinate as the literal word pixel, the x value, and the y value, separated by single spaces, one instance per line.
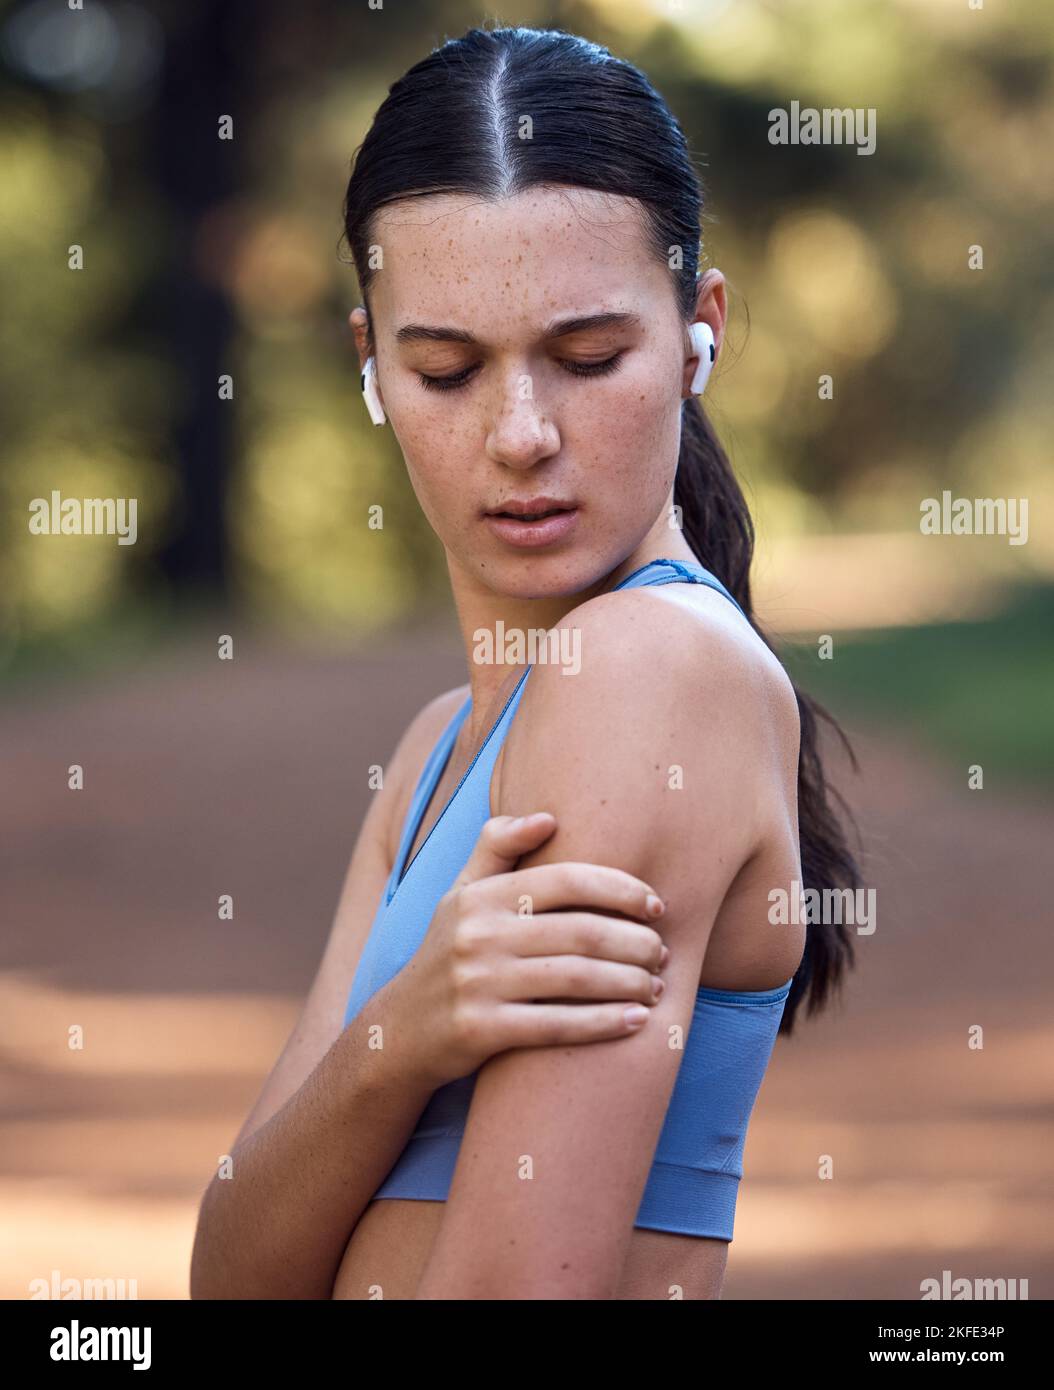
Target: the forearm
pixel 278 1226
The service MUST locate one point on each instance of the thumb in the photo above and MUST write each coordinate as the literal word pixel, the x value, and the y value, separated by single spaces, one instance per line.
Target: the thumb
pixel 502 842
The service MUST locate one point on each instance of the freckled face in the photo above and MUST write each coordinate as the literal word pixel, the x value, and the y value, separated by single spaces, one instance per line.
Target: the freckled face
pixel 512 410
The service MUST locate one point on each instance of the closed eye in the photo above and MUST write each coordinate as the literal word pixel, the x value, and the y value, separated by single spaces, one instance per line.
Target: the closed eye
pixel 451 383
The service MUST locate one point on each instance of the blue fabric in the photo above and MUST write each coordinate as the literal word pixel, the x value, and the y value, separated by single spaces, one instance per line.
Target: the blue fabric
pixel 694 1178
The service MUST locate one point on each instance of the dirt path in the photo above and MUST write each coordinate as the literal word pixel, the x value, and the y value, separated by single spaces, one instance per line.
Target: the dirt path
pixel 249 778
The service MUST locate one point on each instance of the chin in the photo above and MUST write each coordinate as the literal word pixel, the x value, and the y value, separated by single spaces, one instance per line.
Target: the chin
pixel 540 576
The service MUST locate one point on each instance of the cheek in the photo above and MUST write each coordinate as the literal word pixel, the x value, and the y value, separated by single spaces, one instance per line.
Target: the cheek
pixel 436 467
pixel 632 438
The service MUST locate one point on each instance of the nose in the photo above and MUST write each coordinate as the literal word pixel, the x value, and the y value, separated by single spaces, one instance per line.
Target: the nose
pixel 521 433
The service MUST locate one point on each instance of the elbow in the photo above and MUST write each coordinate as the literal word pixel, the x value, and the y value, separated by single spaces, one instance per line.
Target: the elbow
pixel 207 1277
pixel 200 1287
pixel 203 1284
pixel 206 1280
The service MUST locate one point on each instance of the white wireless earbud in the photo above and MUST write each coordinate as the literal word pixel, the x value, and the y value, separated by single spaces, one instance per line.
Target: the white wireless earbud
pixel 370 392
pixel 702 338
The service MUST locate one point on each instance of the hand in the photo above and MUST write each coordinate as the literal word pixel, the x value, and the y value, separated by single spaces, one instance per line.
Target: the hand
pixel 489 976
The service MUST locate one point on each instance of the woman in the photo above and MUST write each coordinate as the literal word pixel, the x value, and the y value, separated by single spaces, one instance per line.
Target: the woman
pixel 524 220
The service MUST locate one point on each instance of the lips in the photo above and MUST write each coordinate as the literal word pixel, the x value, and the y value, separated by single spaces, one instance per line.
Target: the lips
pixel 531 516
pixel 534 524
pixel 532 508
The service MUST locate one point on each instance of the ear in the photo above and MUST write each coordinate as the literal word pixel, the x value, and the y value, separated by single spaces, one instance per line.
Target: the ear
pixel 359 322
pixel 711 306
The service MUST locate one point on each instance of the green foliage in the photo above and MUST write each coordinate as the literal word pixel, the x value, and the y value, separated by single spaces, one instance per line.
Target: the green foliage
pixel 852 266
pixel 977 692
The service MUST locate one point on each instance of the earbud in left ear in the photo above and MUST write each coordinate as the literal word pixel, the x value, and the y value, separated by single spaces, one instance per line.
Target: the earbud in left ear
pixel 702 338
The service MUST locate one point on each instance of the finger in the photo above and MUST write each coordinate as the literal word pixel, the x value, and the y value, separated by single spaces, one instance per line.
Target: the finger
pixel 550 1025
pixel 569 884
pixel 568 979
pixel 502 841
pixel 587 934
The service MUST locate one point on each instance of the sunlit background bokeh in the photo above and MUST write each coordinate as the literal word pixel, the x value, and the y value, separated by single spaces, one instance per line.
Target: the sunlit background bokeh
pixel 204 258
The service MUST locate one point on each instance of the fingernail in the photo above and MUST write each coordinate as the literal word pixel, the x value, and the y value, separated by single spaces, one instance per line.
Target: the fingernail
pixel 635 1015
pixel 655 905
pixel 657 987
pixel 665 955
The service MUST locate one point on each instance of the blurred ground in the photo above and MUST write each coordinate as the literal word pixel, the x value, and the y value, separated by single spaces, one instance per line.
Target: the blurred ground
pixel 205 777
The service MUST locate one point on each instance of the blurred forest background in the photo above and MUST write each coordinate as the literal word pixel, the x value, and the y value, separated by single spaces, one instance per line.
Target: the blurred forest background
pixel 204 258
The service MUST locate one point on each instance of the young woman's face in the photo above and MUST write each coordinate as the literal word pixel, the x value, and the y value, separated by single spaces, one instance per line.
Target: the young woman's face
pixel 498 399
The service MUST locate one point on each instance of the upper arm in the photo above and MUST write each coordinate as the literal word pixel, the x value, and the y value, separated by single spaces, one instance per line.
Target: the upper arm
pixel 660 762
pixel 322 1018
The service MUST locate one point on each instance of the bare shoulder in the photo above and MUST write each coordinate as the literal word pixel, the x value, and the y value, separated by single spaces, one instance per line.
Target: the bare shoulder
pixel 665 647
pixel 658 689
pixel 413 748
pixel 429 722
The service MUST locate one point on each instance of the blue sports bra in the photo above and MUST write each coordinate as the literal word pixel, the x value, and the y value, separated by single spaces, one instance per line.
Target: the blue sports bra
pixel 694 1178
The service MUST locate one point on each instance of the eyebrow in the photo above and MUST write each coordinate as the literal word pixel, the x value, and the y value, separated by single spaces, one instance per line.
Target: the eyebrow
pixel 559 328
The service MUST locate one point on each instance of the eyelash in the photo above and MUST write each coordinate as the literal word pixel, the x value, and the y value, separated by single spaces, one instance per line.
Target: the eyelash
pixel 451 383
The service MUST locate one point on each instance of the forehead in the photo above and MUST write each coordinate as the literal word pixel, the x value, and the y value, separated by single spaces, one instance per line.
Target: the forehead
pixel 454 256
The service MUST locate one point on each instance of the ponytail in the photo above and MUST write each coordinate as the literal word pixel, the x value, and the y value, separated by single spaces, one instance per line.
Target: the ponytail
pixel 717 525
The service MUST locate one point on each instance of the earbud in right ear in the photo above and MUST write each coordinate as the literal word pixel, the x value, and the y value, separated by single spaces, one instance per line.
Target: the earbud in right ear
pixel 702 339
pixel 370 392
